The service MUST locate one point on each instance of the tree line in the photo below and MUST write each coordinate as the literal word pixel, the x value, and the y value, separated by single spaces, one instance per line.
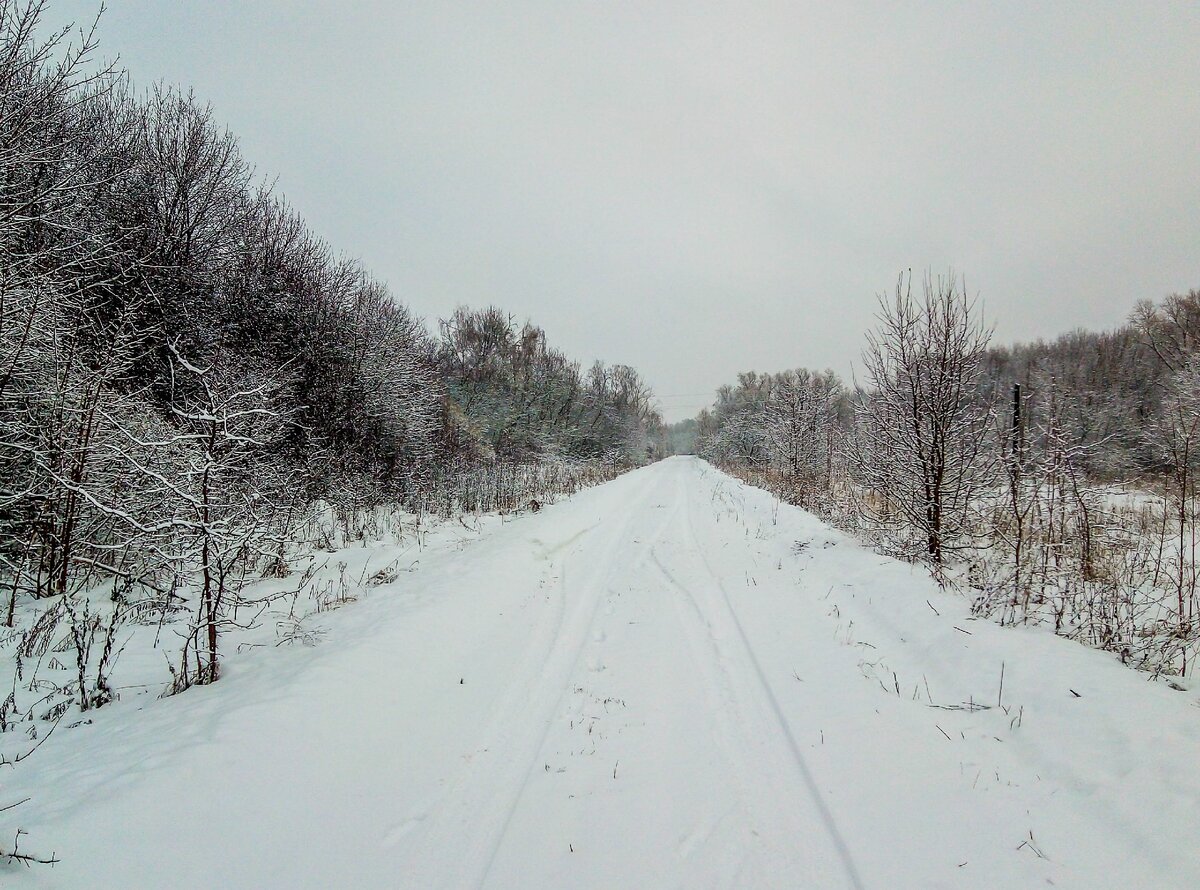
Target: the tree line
pixel 1054 481
pixel 186 368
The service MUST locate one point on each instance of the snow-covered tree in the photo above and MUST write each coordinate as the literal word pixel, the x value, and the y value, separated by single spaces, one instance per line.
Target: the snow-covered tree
pixel 921 429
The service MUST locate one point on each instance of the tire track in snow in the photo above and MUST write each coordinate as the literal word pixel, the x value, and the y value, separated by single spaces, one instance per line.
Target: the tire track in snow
pixel 712 667
pixel 720 615
pixel 473 815
pixel 629 555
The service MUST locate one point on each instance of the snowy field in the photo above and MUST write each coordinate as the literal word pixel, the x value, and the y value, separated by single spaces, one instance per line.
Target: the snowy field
pixel 667 681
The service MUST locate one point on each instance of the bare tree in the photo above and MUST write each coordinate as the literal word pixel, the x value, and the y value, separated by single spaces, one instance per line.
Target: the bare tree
pixel 921 430
pixel 231 495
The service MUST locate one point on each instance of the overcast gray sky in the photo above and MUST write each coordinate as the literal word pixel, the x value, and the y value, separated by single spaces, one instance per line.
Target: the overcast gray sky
pixel 697 189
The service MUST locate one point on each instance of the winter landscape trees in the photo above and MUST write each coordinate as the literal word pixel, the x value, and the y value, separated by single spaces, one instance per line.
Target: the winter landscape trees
pixel 188 374
pixel 217 429
pixel 1054 481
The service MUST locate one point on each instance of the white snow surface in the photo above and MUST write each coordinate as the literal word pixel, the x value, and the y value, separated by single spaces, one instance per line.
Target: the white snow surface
pixel 668 681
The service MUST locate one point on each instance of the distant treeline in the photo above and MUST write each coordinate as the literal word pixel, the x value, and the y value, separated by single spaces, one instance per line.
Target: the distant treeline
pixel 1105 390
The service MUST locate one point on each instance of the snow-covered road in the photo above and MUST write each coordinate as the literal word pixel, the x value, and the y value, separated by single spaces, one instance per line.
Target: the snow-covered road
pixel 667 681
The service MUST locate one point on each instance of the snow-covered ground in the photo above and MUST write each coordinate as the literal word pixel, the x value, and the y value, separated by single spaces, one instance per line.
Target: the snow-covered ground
pixel 670 680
